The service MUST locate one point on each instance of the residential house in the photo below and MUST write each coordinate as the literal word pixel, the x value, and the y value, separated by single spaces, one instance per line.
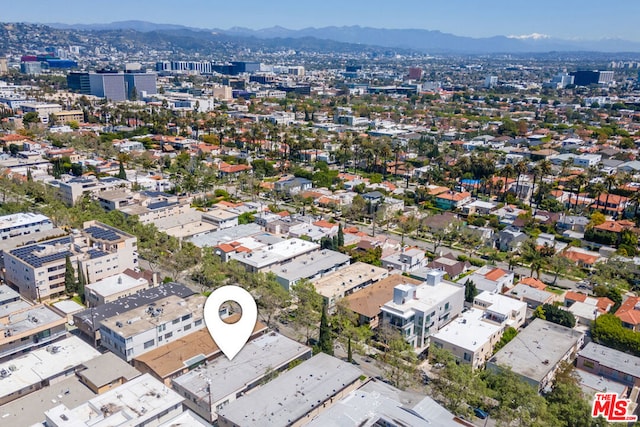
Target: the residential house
pixel 452 200
pixel 532 296
pixel 611 204
pixel 290 186
pixel 629 313
pixel 450 265
pixel 510 239
pixel 492 279
pixel 408 259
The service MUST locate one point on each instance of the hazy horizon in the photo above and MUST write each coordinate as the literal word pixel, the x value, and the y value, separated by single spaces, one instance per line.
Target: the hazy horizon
pixel 586 20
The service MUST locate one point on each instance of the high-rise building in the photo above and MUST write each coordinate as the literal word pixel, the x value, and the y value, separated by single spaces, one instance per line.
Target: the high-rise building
pixel 586 77
pixel 79 82
pixel 4 69
pixel 415 73
pixel 490 81
pixel 113 85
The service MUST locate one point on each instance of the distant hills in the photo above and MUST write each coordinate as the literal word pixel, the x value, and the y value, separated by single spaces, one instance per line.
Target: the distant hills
pixel 410 39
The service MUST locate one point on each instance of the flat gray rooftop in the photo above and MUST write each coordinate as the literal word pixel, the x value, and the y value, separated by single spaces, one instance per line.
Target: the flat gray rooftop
pixel 535 351
pixel 91 317
pixel 106 368
pixel 226 236
pixel 30 409
pixel 613 359
pixel 257 357
pixel 293 394
pixel 377 401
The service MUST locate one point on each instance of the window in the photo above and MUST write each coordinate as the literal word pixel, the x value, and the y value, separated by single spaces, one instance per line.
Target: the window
pixel 198 322
pixel 168 335
pixel 588 364
pixel 187 327
pixel 467 357
pixel 149 344
pixel 446 306
pixel 186 317
pixel 175 321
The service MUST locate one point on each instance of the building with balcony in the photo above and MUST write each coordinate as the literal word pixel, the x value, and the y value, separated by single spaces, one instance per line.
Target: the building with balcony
pixel 408 259
pixel 88 321
pixel 501 309
pixel 420 311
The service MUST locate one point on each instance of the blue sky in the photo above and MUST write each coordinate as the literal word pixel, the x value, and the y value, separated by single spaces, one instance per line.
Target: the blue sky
pixel 575 19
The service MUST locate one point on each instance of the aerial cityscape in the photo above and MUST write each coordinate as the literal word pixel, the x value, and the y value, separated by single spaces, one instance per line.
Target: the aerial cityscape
pixel 438 222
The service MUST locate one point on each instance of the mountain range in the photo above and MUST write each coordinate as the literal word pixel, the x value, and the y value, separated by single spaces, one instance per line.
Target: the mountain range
pixel 426 41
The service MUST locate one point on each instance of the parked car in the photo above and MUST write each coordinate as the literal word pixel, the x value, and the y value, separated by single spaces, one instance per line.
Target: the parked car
pixel 480 413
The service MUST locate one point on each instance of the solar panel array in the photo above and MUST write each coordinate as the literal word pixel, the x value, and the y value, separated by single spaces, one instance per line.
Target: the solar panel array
pixel 96 253
pixel 27 253
pixel 102 233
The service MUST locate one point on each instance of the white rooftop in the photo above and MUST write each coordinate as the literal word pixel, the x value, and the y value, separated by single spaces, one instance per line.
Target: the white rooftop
pixel 501 304
pixel 115 284
pixel 277 252
pixel 44 363
pixel 427 297
pixel 20 219
pixel 468 331
pixel 127 405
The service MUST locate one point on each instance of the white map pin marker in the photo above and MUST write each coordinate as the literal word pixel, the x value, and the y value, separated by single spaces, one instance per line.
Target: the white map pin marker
pixel 230 337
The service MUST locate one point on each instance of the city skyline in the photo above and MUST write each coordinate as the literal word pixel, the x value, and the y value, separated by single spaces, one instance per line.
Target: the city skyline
pixel 588 21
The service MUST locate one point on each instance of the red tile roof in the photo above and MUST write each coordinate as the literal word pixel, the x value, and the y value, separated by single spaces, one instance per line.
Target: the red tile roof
pixel 627 312
pixel 533 283
pixel 495 274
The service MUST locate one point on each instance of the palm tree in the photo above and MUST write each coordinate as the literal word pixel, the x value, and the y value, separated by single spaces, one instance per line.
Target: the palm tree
pixel 520 169
pixel 609 181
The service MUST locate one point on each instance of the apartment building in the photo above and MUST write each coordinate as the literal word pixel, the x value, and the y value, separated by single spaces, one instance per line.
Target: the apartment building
pixel 419 311
pixel 348 280
pixel 501 309
pixel 115 287
pixel 211 387
pixel 311 266
pixel 491 279
pixel 22 224
pixel 470 337
pixel 278 253
pixel 143 329
pixel 141 402
pixel 71 191
pixel 38 270
pixel 29 327
pixel 295 397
